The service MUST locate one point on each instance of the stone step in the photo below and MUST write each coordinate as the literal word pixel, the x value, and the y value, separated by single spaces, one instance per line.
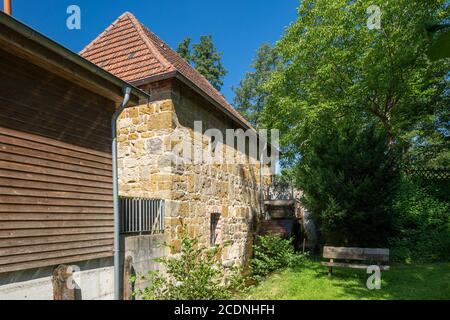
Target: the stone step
pixel 283 227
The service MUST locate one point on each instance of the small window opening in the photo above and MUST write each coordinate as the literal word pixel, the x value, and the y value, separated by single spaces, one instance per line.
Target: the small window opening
pixel 215 217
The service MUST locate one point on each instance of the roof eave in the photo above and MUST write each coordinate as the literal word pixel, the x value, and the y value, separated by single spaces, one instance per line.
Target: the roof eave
pixel 48 53
pixel 193 86
pixel 177 75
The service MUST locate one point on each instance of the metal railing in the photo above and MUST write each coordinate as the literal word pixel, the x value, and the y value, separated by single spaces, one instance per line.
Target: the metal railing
pixel 279 191
pixel 139 215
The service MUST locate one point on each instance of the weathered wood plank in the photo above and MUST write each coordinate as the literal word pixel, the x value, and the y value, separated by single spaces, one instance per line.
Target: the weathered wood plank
pixel 11 251
pixel 13 149
pixel 54 201
pixel 49 232
pixel 54 124
pixel 55 254
pixel 4 216
pixel 53 149
pixel 55 168
pixel 30 160
pixel 12 166
pixel 376 254
pixel 25 192
pixel 98 120
pixel 42 130
pixel 17 225
pixel 8 174
pixel 352 265
pixel 66 102
pixel 54 261
pixel 19 242
pixel 31 208
pixel 48 186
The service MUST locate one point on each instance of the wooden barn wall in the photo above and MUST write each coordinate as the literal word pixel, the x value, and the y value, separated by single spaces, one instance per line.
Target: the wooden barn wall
pixel 56 202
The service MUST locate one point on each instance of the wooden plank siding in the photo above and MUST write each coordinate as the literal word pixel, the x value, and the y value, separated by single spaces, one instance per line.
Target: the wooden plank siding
pixel 36 101
pixel 56 203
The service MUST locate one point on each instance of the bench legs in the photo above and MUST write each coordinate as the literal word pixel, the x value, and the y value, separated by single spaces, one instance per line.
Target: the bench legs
pixel 330 269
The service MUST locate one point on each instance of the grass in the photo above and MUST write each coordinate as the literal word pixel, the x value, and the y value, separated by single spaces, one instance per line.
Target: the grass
pixel 311 282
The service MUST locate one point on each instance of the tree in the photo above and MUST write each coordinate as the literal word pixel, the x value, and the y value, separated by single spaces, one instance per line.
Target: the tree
pixel 195 273
pixel 348 176
pixel 439 35
pixel 349 97
pixel 250 97
pixel 184 49
pixel 336 66
pixel 205 59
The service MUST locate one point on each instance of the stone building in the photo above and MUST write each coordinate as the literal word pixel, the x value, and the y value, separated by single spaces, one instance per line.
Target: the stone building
pixel 179 142
pixel 217 201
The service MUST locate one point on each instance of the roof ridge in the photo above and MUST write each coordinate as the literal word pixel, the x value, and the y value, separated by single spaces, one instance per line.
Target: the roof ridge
pixel 96 39
pixel 215 94
pixel 157 58
pixel 139 27
pixel 183 60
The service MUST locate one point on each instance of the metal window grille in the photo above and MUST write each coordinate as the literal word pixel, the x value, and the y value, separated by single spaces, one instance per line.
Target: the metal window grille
pixel 140 215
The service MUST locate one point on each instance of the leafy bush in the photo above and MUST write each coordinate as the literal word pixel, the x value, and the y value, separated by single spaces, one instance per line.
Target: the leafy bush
pixel 422 224
pixel 271 253
pixel 347 174
pixel 196 274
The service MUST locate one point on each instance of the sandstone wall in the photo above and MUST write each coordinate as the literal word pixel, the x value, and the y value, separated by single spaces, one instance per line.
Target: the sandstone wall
pixel 150 165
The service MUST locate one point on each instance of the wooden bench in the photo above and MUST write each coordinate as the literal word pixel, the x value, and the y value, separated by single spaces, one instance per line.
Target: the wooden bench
pixel 379 257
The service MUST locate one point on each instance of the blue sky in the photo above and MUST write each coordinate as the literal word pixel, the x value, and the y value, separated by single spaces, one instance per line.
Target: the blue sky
pixel 238 27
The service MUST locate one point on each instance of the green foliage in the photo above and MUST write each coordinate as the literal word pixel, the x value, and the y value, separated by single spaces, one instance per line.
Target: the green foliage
pixel 346 99
pixel 207 61
pixel 347 176
pixel 286 177
pixel 196 274
pixel 422 224
pixel 310 282
pixel 336 67
pixel 184 49
pixel 272 253
pixel 440 48
pixel 250 97
pixel 205 58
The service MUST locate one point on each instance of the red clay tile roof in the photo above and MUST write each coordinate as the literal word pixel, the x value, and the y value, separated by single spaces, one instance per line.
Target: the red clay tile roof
pixel 130 51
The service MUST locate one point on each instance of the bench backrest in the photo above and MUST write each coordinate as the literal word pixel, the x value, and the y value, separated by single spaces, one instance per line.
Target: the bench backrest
pixel 363 254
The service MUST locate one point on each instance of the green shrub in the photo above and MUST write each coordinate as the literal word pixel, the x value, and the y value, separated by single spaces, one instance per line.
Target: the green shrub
pixel 196 274
pixel 271 253
pixel 422 224
pixel 347 174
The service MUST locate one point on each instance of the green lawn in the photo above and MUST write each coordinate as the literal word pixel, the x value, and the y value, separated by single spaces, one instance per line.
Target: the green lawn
pixel 310 282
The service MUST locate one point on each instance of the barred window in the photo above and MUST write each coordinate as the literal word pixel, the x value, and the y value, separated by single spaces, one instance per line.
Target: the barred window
pixel 139 215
